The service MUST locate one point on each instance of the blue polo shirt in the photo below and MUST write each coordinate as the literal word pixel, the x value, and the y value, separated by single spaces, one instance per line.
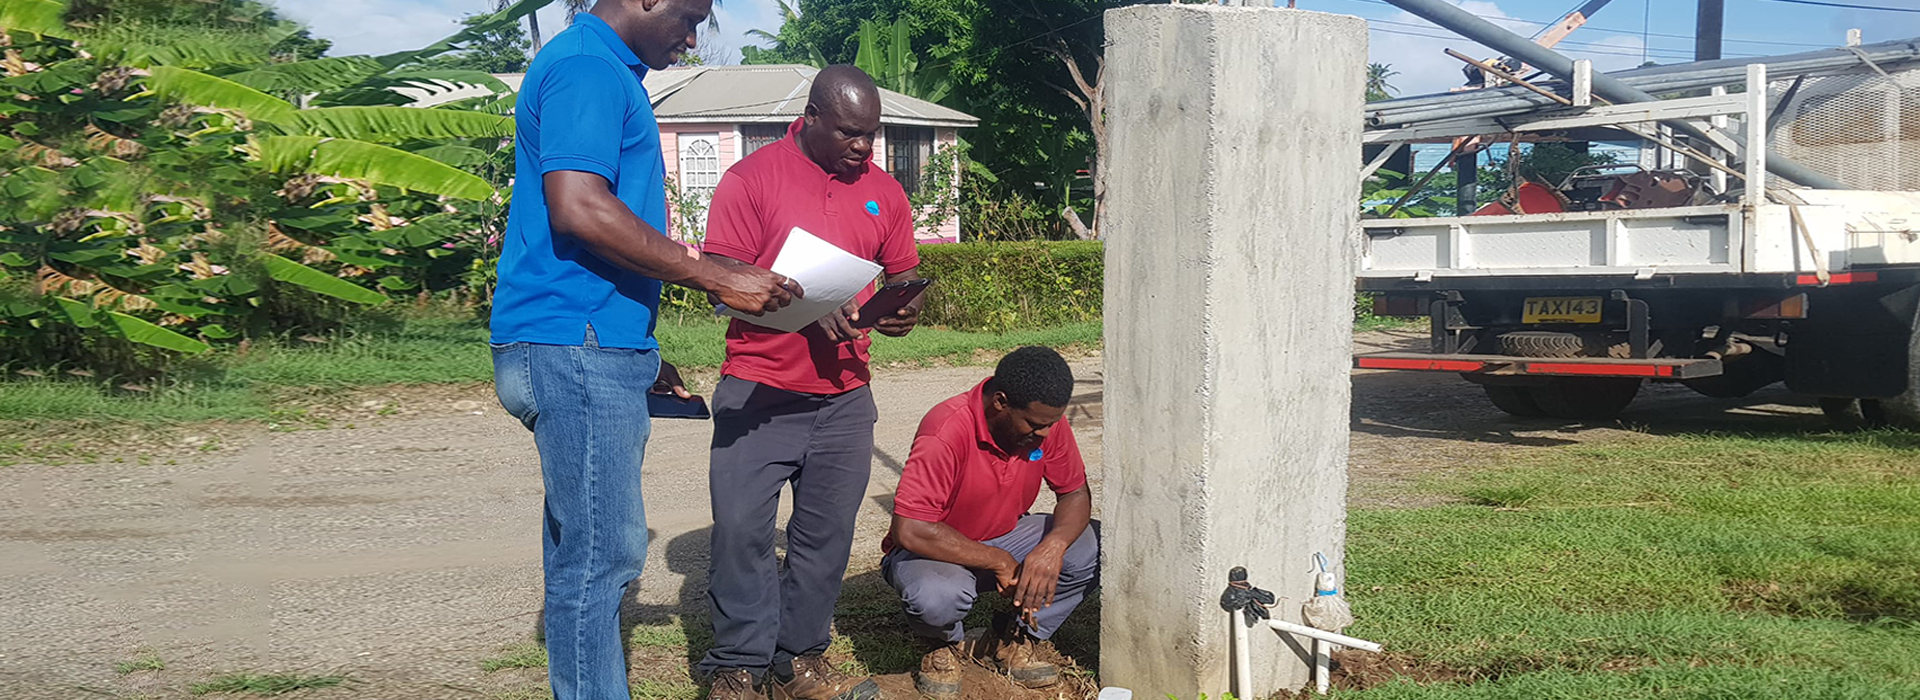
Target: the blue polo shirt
pixel 583 108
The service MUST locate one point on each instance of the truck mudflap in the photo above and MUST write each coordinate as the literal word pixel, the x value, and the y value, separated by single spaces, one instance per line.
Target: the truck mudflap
pixel 1508 366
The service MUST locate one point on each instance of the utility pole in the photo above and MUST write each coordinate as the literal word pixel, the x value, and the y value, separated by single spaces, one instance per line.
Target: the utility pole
pixel 1709 30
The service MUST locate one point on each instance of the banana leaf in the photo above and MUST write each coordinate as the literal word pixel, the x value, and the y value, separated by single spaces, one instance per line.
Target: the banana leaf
pixel 399 124
pixel 133 329
pixel 317 75
pixel 41 17
pixel 359 160
pixel 194 87
pixel 290 272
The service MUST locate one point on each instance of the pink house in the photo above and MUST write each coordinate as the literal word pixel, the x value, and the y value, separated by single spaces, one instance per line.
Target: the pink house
pixel 712 116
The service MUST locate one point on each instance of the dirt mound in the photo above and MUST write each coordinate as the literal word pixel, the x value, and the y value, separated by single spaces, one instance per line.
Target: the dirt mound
pixel 981 683
pixel 1360 670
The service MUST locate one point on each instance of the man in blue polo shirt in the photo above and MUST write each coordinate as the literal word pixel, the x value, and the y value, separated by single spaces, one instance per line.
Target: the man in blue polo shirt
pixel 580 274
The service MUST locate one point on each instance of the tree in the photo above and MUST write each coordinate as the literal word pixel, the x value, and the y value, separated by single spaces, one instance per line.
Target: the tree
pixel 1546 163
pixel 168 196
pixel 1377 86
pixel 708 53
pixel 500 50
pixel 886 54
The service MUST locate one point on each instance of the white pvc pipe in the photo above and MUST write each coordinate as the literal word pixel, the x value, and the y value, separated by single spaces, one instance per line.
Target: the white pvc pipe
pixel 1242 657
pixel 1322 666
pixel 1323 635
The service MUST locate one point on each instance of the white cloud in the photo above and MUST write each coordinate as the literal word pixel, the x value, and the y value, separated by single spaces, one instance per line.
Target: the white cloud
pixel 1424 67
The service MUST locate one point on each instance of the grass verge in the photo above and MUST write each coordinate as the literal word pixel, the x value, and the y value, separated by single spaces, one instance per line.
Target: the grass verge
pixel 272 381
pixel 1691 567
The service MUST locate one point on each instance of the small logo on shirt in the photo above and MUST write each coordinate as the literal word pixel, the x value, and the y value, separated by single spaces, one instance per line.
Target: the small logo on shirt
pixel 1035 455
pixel 873 207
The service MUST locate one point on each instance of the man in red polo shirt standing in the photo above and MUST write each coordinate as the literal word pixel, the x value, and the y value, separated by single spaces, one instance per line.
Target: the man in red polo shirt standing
pixel 961 523
pixel 794 408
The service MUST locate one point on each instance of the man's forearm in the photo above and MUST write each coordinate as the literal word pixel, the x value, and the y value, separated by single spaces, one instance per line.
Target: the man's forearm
pixel 611 231
pixel 1071 515
pixel 940 542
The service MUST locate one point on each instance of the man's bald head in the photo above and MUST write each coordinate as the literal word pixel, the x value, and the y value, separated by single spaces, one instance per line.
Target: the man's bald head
pixel 843 114
pixel 843 86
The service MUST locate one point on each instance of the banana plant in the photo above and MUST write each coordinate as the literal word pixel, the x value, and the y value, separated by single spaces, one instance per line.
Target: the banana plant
pixel 174 195
pixel 886 53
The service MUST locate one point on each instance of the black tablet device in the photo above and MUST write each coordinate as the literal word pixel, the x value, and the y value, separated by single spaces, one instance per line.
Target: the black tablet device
pixel 889 300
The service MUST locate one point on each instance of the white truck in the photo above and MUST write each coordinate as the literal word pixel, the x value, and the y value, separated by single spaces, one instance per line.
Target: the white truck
pixel 1725 282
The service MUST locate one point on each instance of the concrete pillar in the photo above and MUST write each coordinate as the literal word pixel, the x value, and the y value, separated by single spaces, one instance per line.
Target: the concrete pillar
pixel 1232 240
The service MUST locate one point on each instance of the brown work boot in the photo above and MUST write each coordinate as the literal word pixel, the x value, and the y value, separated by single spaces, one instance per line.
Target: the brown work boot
pixel 1018 654
pixel 815 679
pixel 735 684
pixel 939 676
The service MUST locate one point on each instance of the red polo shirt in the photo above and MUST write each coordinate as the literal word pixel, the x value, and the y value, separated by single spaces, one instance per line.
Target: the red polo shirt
pixel 957 475
pixel 759 201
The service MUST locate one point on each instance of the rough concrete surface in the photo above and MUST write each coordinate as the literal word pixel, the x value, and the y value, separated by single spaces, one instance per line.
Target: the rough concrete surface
pixel 404 552
pixel 1231 249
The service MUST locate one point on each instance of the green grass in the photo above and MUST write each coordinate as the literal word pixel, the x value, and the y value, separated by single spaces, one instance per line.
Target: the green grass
pixel 265 684
pixel 280 376
pixel 1691 567
pixel 145 662
pixel 529 655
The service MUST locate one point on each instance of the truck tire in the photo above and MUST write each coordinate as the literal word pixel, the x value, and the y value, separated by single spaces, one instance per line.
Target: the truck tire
pixel 1903 411
pixel 1549 344
pixel 1584 398
pixel 1516 401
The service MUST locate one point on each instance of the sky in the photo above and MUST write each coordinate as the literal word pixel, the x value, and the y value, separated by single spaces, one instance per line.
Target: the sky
pixel 1622 35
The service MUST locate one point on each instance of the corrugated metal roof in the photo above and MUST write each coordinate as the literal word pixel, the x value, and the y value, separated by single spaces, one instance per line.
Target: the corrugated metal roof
pixel 769 94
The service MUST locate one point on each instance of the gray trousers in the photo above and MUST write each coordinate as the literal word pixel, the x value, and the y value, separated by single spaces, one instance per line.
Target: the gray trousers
pixel 938 595
pixel 763 440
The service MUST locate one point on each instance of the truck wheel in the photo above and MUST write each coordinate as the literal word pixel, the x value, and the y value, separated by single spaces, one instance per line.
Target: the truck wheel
pixel 1584 398
pixel 1514 400
pixel 1903 411
pixel 1555 345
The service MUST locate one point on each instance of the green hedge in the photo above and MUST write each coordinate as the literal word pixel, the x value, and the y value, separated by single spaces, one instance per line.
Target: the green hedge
pixel 1002 286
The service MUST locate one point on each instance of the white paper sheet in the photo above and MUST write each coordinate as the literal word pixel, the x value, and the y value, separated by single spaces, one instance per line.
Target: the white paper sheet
pixel 829 276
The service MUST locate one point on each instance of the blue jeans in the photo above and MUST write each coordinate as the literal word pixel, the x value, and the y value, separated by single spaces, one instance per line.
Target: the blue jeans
pixel 587 408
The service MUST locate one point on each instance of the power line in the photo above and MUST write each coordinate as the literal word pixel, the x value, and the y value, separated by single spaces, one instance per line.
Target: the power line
pixel 1851 6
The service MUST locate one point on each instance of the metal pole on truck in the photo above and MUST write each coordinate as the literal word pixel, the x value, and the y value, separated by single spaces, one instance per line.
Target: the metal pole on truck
pixel 1480 30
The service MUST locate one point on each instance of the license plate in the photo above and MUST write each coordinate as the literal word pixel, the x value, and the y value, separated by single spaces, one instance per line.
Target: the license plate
pixel 1561 310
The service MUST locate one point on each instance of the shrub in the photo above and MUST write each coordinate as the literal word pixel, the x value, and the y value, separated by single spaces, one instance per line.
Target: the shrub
pixel 1001 286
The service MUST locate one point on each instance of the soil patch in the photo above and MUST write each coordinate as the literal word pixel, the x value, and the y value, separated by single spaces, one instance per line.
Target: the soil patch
pixel 1360 670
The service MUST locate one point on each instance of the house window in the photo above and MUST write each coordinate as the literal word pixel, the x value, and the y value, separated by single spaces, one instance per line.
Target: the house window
pixel 908 150
pixel 699 169
pixel 757 135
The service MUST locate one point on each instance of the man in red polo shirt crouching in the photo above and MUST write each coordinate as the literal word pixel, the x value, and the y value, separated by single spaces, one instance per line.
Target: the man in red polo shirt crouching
pixel 961 523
